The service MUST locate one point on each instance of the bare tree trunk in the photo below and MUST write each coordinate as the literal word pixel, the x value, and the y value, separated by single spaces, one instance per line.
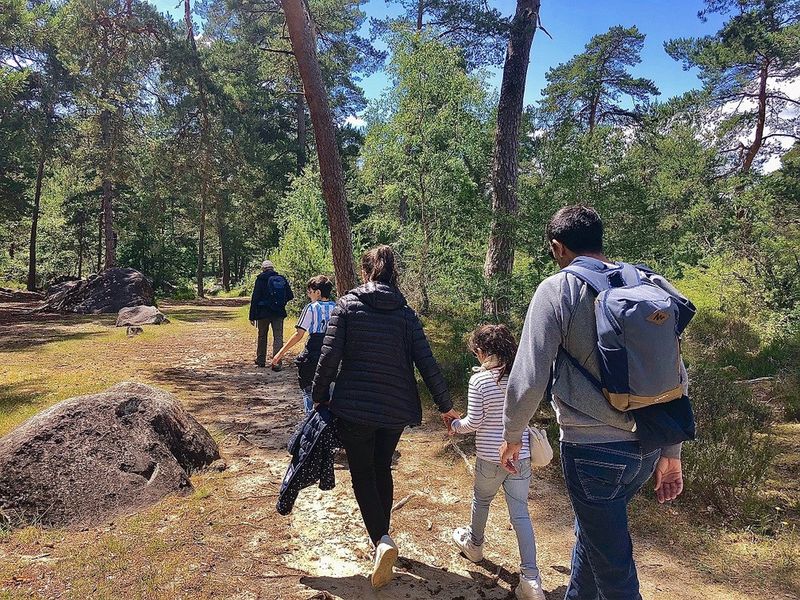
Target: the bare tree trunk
pixel 302 133
pixel 304 45
pixel 37 196
pixel 108 191
pixel 500 253
pixel 593 114
pixel 420 14
pixel 752 151
pixel 223 247
pixel 100 239
pixel 205 145
pixel 80 247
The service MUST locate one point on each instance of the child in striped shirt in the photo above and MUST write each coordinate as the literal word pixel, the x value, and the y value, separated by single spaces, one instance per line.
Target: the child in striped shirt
pixel 495 348
pixel 314 321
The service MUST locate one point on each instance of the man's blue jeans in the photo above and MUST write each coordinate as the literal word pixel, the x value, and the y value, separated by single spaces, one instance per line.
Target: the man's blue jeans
pixel 601 480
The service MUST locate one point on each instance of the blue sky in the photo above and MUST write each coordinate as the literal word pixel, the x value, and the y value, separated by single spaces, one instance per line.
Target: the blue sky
pixel 572 23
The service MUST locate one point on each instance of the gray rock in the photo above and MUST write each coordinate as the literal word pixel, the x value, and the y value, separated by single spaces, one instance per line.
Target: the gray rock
pixel 91 458
pixel 107 292
pixel 140 315
pixel 134 331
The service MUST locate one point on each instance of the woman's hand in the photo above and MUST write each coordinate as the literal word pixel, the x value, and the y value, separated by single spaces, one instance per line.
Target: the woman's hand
pixel 276 360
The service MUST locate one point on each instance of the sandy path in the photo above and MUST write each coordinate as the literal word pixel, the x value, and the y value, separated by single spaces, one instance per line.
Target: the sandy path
pixel 321 550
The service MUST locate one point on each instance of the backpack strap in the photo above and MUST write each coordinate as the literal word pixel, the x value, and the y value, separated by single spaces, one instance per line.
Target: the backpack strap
pixel 582 370
pixel 600 277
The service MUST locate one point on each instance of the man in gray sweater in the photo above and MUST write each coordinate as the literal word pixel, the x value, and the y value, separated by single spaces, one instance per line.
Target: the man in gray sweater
pixel 603 461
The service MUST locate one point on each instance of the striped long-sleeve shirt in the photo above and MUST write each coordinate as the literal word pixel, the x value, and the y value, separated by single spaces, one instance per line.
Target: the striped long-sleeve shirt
pixel 485 415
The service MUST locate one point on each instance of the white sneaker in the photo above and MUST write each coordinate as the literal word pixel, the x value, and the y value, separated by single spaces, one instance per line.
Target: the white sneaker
pixel 385 557
pixel 529 589
pixel 463 539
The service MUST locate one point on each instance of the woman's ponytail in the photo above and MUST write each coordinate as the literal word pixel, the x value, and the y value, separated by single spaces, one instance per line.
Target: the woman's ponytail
pixel 379 264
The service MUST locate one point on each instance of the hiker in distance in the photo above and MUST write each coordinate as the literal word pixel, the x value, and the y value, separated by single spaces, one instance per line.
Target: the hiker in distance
pixel 271 293
pixel 621 405
pixel 377 339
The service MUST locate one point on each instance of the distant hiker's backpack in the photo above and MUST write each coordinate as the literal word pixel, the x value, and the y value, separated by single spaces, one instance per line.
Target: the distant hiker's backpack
pixel 639 325
pixel 275 298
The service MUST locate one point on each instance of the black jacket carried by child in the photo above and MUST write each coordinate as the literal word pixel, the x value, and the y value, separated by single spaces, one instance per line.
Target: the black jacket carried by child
pixel 312 447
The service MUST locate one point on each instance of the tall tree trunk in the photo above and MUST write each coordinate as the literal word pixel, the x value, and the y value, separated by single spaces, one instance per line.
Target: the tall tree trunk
pixel 500 253
pixel 108 191
pixel 37 196
pixel 426 246
pixel 80 247
pixel 752 151
pixel 302 132
pixel 420 14
pixel 100 239
pixel 223 247
pixel 593 114
pixel 205 145
pixel 201 255
pixel 304 45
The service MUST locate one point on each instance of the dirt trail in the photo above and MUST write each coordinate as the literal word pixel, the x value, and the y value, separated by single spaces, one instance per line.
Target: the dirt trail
pixel 228 541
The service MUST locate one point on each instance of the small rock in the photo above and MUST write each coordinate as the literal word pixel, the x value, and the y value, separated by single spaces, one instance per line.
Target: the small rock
pixel 218 465
pixel 140 315
pixel 133 331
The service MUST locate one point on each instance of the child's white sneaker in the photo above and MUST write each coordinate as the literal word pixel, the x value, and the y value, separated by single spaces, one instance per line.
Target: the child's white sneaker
pixel 463 539
pixel 529 589
pixel 385 557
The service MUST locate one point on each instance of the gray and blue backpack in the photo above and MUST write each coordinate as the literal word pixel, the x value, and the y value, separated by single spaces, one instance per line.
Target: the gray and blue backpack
pixel 639 325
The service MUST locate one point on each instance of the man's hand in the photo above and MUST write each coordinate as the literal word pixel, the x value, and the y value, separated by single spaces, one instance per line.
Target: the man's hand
pixel 509 454
pixel 253 323
pixel 669 479
pixel 449 417
pixel 276 360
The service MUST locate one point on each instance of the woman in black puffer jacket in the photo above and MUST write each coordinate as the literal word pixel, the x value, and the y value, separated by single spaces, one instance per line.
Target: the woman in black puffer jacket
pixel 372 344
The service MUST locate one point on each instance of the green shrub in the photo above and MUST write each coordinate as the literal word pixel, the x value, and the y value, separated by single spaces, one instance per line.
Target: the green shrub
pixel 727 465
pixel 184 291
pixel 787 393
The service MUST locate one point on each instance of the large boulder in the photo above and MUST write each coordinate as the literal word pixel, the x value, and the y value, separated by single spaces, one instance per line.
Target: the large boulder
pixel 140 315
pixel 108 292
pixel 91 458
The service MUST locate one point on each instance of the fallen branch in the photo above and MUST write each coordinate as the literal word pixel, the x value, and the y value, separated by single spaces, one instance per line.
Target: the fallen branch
pixel 403 502
pixel 754 381
pixel 470 468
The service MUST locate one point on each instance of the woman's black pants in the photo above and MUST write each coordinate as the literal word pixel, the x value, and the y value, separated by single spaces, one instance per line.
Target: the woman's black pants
pixel 369 455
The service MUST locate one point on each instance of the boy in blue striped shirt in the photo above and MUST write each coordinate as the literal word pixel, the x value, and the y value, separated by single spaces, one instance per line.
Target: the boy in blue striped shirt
pixel 314 321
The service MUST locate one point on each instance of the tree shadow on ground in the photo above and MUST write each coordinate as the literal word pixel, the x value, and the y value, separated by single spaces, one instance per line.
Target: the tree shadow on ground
pixel 196 315
pixel 22 338
pixel 16 395
pixel 414 579
pixel 417 580
pixel 229 302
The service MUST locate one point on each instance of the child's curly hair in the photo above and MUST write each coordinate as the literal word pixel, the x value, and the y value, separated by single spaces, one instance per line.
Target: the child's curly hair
pixel 497 341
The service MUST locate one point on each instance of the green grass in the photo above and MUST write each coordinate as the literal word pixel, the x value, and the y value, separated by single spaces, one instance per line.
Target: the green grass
pixel 89 357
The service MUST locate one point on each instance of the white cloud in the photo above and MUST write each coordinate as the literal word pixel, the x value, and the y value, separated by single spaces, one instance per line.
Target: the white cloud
pixel 356 121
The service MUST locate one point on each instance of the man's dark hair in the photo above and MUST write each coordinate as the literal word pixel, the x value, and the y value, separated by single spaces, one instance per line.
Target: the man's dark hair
pixel 578 227
pixel 321 284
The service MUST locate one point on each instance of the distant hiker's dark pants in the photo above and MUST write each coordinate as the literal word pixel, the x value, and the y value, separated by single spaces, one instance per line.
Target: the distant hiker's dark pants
pixel 277 337
pixel 369 456
pixel 601 480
